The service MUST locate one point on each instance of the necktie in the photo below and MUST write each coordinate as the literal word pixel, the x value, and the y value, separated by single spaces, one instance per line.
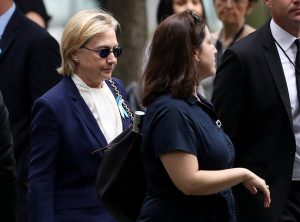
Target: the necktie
pixel 297 67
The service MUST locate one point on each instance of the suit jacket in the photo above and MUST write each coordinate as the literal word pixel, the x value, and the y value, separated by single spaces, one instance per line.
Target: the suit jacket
pixel 8 183
pixel 62 169
pixel 252 100
pixel 28 62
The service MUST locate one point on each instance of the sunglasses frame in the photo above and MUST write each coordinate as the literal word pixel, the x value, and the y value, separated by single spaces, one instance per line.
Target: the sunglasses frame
pixel 104 52
pixel 195 17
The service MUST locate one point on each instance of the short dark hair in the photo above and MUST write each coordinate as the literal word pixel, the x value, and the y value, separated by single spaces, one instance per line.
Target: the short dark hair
pixel 165 9
pixel 171 66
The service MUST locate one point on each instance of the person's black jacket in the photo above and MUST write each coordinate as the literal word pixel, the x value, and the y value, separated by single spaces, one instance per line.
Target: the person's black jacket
pixel 28 61
pixel 8 183
pixel 252 100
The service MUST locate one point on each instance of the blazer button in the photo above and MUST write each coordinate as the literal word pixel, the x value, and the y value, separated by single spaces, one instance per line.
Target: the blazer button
pixel 288 177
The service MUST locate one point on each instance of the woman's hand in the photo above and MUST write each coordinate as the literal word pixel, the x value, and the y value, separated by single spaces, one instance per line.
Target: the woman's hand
pixel 254 183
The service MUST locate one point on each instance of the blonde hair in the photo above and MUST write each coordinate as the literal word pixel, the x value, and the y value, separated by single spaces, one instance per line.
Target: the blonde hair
pixel 78 31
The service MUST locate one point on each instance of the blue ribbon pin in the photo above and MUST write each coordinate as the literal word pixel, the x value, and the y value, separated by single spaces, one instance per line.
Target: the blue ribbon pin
pixel 121 108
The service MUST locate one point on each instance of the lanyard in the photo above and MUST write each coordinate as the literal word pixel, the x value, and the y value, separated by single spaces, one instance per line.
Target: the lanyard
pixel 219 45
pixel 297 68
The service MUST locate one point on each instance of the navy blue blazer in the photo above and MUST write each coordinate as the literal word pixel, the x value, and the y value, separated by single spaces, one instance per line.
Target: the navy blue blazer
pixel 62 168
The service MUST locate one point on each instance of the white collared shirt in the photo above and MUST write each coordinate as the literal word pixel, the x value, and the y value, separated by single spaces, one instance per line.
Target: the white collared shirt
pixel 286 41
pixel 4 18
pixel 103 105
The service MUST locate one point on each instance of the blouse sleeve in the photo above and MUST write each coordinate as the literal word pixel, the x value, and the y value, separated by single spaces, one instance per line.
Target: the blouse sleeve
pixel 172 130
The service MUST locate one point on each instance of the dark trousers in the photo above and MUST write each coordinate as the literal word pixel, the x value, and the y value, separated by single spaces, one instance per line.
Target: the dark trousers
pixel 291 212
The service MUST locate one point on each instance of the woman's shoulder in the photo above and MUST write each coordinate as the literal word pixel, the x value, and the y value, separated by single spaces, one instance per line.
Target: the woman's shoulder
pixel 118 82
pixel 168 104
pixel 57 92
pixel 247 30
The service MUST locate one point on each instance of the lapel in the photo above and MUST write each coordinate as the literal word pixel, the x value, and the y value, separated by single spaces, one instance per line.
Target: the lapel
pixel 11 32
pixel 84 112
pixel 273 61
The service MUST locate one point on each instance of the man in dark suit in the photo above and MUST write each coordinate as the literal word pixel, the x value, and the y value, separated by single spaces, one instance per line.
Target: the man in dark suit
pixel 256 97
pixel 29 57
pixel 8 182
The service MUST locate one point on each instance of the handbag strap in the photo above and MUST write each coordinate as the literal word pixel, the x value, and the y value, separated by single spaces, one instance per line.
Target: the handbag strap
pixel 123 101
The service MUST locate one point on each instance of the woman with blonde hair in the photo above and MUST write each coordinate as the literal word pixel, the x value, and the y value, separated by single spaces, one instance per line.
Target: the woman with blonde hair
pixel 82 113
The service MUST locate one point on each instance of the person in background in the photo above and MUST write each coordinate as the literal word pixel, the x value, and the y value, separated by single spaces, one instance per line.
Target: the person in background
pixel 187 156
pixel 74 120
pixel 35 10
pixel 169 7
pixel 257 99
pixel 232 14
pixel 165 8
pixel 8 181
pixel 29 57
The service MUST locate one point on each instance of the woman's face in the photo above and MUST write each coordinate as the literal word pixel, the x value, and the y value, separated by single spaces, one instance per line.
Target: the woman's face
pixel 205 56
pixel 92 68
pixel 232 11
pixel 191 5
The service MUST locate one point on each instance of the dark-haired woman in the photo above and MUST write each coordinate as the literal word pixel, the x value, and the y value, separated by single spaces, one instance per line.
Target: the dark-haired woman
pixel 186 154
pixel 165 8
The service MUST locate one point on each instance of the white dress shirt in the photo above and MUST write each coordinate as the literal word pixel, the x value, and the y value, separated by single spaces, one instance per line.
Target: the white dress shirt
pixel 104 107
pixel 286 41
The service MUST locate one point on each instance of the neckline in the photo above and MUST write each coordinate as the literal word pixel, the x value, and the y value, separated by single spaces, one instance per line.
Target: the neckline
pixel 219 45
pixel 235 38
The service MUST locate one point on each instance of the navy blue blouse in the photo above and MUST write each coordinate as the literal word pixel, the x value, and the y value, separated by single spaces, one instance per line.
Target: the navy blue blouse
pixel 190 126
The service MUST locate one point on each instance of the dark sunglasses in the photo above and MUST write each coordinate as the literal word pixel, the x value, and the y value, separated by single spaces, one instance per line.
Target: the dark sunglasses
pixel 104 52
pixel 195 17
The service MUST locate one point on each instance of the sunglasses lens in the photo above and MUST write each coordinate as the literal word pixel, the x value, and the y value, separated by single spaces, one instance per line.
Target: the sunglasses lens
pixel 104 52
pixel 117 52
